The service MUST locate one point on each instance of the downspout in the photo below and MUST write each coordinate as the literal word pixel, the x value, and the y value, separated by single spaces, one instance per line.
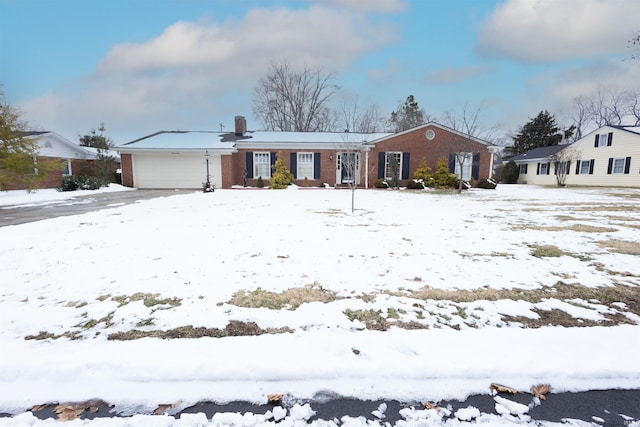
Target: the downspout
pixel 366 168
pixel 491 163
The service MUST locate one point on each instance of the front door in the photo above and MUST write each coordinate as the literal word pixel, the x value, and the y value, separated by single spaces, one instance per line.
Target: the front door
pixel 348 168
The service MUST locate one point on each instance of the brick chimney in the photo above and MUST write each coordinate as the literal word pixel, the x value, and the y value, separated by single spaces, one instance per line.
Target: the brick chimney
pixel 241 125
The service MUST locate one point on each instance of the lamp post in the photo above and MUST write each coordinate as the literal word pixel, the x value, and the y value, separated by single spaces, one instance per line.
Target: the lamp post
pixel 208 187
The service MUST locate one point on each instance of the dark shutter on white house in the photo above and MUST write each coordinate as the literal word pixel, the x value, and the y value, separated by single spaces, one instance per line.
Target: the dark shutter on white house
pixel 381 164
pixel 538 169
pixel 293 164
pixel 578 167
pixel 548 168
pixel 316 166
pixel 591 163
pixel 627 165
pixel 595 143
pixel 610 166
pixel 273 157
pixel 610 139
pixel 249 164
pixel 405 166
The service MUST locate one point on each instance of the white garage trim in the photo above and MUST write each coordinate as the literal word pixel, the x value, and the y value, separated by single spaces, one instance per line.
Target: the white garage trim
pixel 174 170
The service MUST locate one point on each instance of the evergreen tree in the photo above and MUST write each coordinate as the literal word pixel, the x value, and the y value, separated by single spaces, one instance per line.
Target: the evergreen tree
pixel 425 173
pixel 407 115
pixel 541 131
pixel 281 176
pixel 106 164
pixel 443 178
pixel 510 173
pixel 97 139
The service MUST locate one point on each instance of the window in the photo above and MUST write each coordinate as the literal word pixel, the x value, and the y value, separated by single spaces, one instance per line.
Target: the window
pixel 393 160
pixel 67 169
pixel 523 168
pixel 262 165
pixel 544 168
pixel 584 166
pixel 603 140
pixel 305 166
pixel 466 165
pixel 618 165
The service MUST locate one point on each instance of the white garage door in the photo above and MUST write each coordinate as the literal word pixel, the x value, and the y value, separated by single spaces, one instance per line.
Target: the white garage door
pixel 176 170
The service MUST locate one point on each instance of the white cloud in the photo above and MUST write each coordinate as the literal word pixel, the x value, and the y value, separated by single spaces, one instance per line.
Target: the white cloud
pixel 196 71
pixel 382 6
pixel 551 30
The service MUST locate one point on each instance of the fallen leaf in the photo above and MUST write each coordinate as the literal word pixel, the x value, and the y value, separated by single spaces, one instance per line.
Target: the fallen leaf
pixel 68 412
pixel 275 397
pixel 503 389
pixel 161 409
pixel 540 390
pixel 430 405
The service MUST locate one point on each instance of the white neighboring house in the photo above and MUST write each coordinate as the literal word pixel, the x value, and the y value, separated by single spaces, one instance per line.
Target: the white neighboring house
pixel 53 145
pixel 606 157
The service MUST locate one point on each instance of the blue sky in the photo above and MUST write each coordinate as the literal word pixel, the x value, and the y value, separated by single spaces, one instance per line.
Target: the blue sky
pixel 141 66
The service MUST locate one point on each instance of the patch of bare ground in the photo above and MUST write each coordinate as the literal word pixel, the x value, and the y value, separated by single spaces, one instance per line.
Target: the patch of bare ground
pixel 234 328
pixel 289 299
pixel 621 246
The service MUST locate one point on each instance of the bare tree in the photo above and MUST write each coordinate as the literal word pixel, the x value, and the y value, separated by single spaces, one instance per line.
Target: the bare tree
pixel 349 163
pixel 562 162
pixel 607 107
pixel 469 126
pixel 356 119
pixel 290 100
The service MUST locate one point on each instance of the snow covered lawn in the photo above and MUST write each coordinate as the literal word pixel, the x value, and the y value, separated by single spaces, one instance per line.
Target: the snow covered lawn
pixel 237 294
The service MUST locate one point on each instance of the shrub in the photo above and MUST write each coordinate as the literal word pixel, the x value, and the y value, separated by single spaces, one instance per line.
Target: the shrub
pixel 80 182
pixel 510 173
pixel 489 184
pixel 281 177
pixel 381 183
pixel 260 182
pixel 442 178
pixel 414 184
pixel 424 172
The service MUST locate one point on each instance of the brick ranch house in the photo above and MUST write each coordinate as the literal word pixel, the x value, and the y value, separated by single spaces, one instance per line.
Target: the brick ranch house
pixel 178 159
pixel 53 147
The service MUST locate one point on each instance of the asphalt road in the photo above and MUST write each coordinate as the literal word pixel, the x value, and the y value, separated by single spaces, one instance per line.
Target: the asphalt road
pixel 21 214
pixel 599 407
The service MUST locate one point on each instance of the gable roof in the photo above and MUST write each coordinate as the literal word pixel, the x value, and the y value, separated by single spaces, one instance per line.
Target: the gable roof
pixel 540 153
pixel 70 148
pixel 175 140
pixel 433 124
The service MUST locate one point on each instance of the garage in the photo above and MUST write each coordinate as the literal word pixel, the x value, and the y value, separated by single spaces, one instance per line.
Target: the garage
pixel 174 170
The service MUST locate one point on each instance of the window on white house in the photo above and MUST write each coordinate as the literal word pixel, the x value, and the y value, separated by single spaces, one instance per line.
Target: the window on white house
pixel 523 168
pixel 393 156
pixel 466 167
pixel 305 166
pixel 584 166
pixel 544 168
pixel 618 165
pixel 262 165
pixel 603 139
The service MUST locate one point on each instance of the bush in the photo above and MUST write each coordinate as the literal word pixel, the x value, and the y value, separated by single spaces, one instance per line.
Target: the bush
pixel 282 176
pixel 381 183
pixel 260 182
pixel 510 173
pixel 414 184
pixel 489 184
pixel 424 172
pixel 442 178
pixel 80 182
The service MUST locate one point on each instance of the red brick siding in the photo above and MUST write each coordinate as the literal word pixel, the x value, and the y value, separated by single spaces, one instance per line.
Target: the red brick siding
pixel 126 165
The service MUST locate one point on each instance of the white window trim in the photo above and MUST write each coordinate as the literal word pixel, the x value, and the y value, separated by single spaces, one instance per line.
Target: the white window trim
pixel 544 168
pixel 300 174
pixel 523 168
pixel 256 172
pixel 603 139
pixel 388 154
pixel 584 163
pixel 468 162
pixel 69 171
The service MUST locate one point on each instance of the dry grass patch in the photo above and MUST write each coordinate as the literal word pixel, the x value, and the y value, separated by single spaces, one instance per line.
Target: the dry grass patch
pixel 606 208
pixel 234 328
pixel 583 228
pixel 547 251
pixel 626 247
pixel 289 299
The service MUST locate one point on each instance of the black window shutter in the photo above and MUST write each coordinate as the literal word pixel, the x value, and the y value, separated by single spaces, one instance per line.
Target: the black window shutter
pixel 381 164
pixel 548 168
pixel 610 139
pixel 595 144
pixel 475 166
pixel 405 166
pixel 273 157
pixel 591 166
pixel 568 171
pixel 526 167
pixel 452 163
pixel 249 165
pixel 556 166
pixel 316 165
pixel 578 167
pixel 293 162
pixel 610 166
pixel 538 170
pixel 627 165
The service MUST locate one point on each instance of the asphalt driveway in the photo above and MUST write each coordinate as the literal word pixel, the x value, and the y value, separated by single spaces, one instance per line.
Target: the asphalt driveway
pixel 21 214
